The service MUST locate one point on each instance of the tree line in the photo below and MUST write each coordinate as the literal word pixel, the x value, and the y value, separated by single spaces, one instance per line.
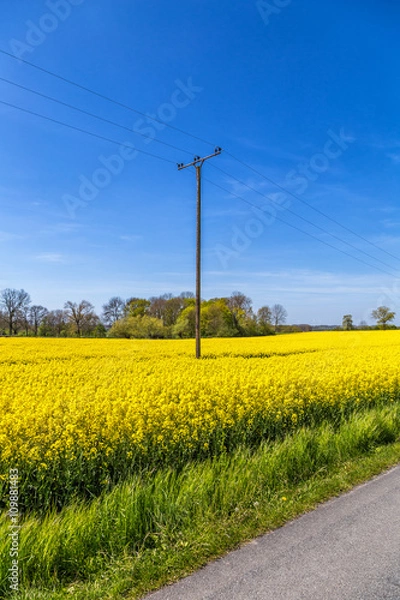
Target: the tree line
pixel 165 316
pixel 382 315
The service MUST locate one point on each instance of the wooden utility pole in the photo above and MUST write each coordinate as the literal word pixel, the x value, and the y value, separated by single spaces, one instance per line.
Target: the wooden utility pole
pixel 198 163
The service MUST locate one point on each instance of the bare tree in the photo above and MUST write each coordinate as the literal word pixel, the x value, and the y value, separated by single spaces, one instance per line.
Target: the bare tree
pixel 173 308
pixel 36 317
pixel 22 320
pixel 113 310
pixel 56 322
pixel 238 302
pixel 157 307
pixel 279 315
pixel 264 315
pixel 81 316
pixel 264 319
pixel 14 302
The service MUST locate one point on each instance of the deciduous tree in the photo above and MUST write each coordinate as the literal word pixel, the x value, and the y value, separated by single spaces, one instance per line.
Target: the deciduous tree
pixel 14 302
pixel 279 315
pixel 264 320
pixel 137 307
pixel 81 316
pixel 113 310
pixel 383 315
pixel 240 307
pixel 138 327
pixel 37 314
pixel 347 322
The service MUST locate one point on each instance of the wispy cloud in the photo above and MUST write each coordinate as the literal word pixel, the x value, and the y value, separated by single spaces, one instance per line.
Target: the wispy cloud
pixel 390 223
pixel 394 157
pixel 387 209
pixel 382 144
pixel 50 257
pixel 130 238
pixel 61 228
pixel 303 281
pixel 6 236
pixel 386 240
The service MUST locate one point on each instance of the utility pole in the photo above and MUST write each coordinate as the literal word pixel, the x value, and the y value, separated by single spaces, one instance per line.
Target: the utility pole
pixel 198 163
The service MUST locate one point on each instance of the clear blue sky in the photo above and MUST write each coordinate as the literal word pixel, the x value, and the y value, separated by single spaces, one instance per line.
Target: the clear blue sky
pixel 304 92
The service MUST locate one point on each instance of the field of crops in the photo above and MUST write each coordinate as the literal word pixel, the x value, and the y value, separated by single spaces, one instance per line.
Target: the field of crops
pixel 77 416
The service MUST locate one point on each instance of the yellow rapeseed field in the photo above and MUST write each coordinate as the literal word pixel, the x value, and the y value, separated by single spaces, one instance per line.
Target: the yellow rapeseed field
pixel 87 410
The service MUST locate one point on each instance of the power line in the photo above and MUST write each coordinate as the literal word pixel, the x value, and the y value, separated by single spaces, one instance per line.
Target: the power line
pixel 99 95
pixel 304 219
pixel 86 112
pixel 100 137
pixel 98 117
pixel 216 185
pixel 311 206
pixel 116 102
pixel 299 229
pixel 172 162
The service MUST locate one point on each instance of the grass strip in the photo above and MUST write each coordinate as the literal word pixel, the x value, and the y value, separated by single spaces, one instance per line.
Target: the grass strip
pixel 160 527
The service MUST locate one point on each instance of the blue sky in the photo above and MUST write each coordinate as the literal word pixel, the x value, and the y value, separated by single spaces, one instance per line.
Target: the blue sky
pixel 305 93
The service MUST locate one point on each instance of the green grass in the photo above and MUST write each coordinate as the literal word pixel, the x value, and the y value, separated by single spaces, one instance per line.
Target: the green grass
pixel 160 526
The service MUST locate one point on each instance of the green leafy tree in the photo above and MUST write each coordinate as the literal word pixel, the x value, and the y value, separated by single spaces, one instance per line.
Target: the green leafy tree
pixel 121 328
pixel 137 307
pixel 99 331
pixel 138 327
pixel 216 319
pixel 3 323
pixel 185 323
pixel 383 315
pixel 347 322
pixel 250 326
pixel 240 307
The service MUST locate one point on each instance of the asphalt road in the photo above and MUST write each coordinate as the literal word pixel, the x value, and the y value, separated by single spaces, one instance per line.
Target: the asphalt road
pixel 346 549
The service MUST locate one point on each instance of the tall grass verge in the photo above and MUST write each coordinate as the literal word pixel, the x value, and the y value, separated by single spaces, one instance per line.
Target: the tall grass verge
pixel 170 513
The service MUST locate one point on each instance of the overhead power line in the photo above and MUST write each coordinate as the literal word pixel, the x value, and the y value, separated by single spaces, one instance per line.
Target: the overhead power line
pixel 95 135
pixel 311 206
pixel 289 210
pixel 168 125
pixel 92 134
pixel 104 97
pixel 86 112
pixel 298 228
